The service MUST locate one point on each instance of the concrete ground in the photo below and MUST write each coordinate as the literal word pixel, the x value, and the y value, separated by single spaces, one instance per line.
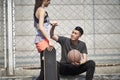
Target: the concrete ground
pixel 81 77
pixel 101 73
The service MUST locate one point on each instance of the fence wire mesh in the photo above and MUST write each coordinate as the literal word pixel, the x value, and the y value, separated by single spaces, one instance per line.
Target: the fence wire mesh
pixel 100 20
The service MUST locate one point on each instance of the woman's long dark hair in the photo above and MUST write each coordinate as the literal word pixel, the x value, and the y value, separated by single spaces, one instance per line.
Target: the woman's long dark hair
pixel 38 3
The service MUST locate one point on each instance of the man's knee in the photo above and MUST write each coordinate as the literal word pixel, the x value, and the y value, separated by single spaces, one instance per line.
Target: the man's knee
pixel 91 63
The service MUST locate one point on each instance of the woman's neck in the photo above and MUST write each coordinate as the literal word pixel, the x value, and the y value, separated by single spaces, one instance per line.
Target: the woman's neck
pixel 43 6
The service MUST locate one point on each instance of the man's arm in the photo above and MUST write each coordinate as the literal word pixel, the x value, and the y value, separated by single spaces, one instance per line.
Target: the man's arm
pixel 52 35
pixel 82 61
pixel 84 58
pixel 84 53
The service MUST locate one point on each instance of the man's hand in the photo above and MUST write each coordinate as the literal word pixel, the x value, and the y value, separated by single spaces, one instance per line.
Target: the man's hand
pixel 54 23
pixel 76 63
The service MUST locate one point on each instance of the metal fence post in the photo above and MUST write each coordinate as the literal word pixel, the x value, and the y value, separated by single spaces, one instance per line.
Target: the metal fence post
pixel 9 38
pixel 4 23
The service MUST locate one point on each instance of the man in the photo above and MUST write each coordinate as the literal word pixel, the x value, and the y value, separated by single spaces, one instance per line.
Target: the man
pixel 64 66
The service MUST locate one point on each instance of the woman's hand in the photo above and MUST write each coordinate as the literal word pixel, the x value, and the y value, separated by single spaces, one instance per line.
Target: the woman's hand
pixel 50 47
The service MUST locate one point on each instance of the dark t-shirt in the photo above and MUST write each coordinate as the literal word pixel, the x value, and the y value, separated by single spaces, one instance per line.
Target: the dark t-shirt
pixel 66 46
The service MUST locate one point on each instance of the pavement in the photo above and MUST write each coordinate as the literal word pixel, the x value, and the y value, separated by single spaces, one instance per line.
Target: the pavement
pixel 101 73
pixel 80 77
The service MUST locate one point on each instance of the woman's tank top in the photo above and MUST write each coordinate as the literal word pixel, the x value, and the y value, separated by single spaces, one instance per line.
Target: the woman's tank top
pixel 39 36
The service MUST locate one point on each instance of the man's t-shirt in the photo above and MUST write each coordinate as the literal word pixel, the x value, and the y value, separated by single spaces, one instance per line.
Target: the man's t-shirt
pixel 66 46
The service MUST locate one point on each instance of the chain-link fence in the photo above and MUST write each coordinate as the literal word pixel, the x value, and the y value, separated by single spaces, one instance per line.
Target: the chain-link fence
pixel 1 35
pixel 100 20
pixel 26 55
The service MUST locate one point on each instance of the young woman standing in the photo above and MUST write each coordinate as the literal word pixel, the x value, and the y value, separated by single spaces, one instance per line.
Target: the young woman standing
pixel 43 26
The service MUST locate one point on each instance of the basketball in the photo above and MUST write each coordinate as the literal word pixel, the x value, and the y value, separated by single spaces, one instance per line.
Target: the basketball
pixel 74 56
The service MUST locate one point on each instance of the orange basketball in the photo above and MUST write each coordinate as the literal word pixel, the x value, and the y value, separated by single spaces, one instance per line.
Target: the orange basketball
pixel 74 56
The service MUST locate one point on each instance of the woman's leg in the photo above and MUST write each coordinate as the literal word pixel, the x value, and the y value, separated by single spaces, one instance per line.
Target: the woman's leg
pixel 41 76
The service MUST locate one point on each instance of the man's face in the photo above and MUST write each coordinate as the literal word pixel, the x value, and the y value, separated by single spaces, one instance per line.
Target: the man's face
pixel 75 35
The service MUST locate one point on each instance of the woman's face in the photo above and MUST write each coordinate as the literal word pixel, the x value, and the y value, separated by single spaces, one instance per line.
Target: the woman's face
pixel 46 2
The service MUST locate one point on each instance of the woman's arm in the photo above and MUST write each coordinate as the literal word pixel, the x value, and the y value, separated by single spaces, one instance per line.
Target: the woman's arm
pixel 41 14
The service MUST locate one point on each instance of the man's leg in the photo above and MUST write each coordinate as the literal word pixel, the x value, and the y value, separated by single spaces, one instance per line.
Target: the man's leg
pixel 68 69
pixel 89 68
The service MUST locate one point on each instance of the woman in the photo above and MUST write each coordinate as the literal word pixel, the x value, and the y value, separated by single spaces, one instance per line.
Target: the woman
pixel 42 25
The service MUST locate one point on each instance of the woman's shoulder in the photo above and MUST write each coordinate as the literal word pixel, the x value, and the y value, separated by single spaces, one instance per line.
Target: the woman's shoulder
pixel 41 9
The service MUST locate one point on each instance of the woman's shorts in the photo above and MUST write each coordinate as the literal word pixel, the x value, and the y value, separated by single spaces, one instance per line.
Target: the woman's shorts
pixel 42 45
